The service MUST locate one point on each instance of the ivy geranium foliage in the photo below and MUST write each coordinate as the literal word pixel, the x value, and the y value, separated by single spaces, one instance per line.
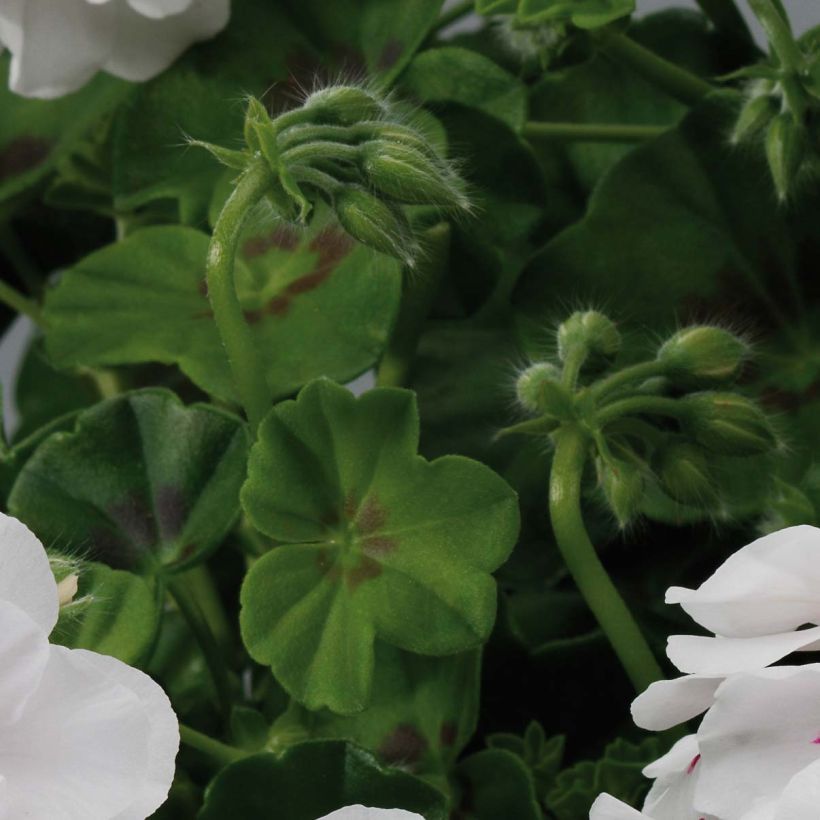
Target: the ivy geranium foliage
pixel 383 371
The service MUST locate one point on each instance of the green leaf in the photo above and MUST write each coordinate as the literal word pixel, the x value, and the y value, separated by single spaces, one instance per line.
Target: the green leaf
pixel 141 482
pixel 459 75
pixel 422 712
pixel 541 756
pixel 114 612
pixel 318 304
pixel 374 541
pixel 618 772
pixel 377 37
pixel 687 189
pixel 496 785
pixel 311 780
pixel 587 14
pixel 36 134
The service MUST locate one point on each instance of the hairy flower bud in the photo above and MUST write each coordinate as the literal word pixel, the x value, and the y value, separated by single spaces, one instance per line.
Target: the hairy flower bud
pixel 702 354
pixel 685 473
pixel 539 390
pixel 728 424
pixel 590 331
pixel 404 174
pixel 374 222
pixel 756 114
pixel 786 143
pixel 344 105
pixel 623 486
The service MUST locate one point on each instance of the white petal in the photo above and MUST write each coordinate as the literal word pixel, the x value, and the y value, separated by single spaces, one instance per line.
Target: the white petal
pixel 163 732
pixel 11 24
pixel 606 807
pixel 144 47
pixel 801 797
pixel 24 653
pixel 26 579
pixel 676 761
pixel 725 656
pixel 676 774
pixel 771 585
pixel 62 46
pixel 363 813
pixel 762 728
pixel 159 8
pixel 83 747
pixel 667 703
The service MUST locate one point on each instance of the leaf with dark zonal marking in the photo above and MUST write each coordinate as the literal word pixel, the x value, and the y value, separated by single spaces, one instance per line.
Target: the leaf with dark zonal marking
pixel 375 541
pixel 422 713
pixel 142 482
pixel 313 779
pixel 318 303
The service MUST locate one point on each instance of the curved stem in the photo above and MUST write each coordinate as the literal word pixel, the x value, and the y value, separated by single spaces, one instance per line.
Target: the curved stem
pixel 679 83
pixel 572 366
pixel 582 561
pixel 629 375
pixel 779 33
pixel 246 363
pixel 211 652
pixel 591 132
pixel 22 304
pixel 639 405
pixel 220 753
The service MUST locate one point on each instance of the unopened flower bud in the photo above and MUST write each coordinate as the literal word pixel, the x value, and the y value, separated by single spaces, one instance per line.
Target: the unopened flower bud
pixel 375 223
pixel 786 143
pixel 591 331
pixel 685 474
pixel 67 589
pixel 540 391
pixel 406 175
pixel 755 115
pixel 728 424
pixel 344 105
pixel 623 486
pixel 702 354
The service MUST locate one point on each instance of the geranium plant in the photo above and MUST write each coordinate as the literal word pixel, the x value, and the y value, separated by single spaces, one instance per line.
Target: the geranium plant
pixel 382 373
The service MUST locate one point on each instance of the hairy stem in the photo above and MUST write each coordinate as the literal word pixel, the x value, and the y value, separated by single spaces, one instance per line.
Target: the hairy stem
pixel 641 405
pixel 245 362
pixel 220 753
pixel 583 563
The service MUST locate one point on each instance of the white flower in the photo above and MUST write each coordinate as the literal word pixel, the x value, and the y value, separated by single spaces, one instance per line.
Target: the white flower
pixel 58 45
pixel 82 736
pixel 364 813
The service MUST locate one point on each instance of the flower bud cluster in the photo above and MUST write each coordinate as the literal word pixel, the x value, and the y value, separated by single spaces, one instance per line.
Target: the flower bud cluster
pixel 657 428
pixel 347 146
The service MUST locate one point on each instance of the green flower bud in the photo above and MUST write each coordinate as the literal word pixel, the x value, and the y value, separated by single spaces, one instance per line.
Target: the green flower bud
pixel 374 222
pixel 540 391
pixel 685 473
pixel 591 331
pixel 623 486
pixel 702 354
pixel 728 424
pixel 344 105
pixel 786 143
pixel 755 115
pixel 255 117
pixel 404 174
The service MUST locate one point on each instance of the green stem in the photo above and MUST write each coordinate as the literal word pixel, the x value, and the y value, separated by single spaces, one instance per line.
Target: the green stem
pixel 629 375
pixel 22 304
pixel 449 17
pixel 641 405
pixel 582 561
pixel 591 132
pixel 220 753
pixel 246 363
pixel 198 623
pixel 676 81
pixel 200 583
pixel 778 33
pixel 572 366
pixel 419 294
